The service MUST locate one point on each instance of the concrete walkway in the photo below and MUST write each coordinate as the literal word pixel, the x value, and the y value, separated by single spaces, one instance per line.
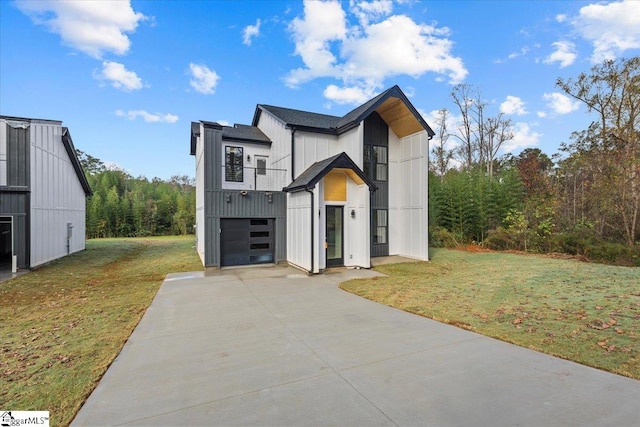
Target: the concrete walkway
pixel 271 346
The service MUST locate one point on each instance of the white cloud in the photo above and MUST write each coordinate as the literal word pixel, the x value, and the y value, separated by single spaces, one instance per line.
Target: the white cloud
pixel 147 117
pixel 347 95
pixel 203 79
pixel 560 103
pixel 119 76
pixel 363 55
pixel 565 54
pixel 367 11
pixel 561 18
pixel 513 105
pixel 523 137
pixel 92 27
pixel 612 28
pixel 249 32
pixel 541 114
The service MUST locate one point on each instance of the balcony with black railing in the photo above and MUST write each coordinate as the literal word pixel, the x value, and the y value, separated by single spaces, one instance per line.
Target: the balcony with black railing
pixel 251 178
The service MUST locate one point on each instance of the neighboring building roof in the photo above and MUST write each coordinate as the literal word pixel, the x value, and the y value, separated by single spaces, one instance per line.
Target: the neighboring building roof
pixel 73 156
pixel 68 146
pixel 314 173
pixel 392 105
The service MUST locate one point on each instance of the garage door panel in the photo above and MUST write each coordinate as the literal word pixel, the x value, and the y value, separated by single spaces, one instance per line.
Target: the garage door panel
pixel 245 241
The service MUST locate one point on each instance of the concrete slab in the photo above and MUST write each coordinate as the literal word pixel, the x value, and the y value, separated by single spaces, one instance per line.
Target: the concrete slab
pixel 275 347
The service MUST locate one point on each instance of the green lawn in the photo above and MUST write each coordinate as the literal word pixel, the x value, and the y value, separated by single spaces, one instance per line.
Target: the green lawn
pixel 63 324
pixel 588 313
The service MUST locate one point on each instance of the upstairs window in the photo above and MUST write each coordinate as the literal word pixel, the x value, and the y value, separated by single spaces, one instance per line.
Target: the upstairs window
pixel 375 162
pixel 380 162
pixel 380 226
pixel 233 170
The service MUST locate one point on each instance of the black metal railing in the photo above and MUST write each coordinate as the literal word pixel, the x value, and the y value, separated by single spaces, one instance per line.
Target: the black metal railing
pixel 251 178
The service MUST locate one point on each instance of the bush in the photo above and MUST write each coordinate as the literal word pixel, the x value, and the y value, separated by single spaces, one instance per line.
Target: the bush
pixel 443 238
pixel 583 241
pixel 498 240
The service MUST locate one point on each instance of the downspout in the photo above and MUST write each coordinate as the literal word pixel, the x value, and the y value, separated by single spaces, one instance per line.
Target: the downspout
pixel 312 230
pixel 293 133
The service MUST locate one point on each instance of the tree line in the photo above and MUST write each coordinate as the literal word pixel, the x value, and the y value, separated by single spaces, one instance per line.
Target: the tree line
pixel 584 200
pixel 125 206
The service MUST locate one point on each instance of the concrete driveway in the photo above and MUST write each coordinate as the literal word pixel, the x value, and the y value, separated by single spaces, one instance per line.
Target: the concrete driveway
pixel 271 346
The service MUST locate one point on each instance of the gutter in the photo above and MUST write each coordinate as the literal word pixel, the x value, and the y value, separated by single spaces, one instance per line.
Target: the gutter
pixel 312 229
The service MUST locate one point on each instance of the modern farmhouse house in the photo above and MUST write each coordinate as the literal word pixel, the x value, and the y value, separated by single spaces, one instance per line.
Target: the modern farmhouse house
pixel 42 193
pixel 311 189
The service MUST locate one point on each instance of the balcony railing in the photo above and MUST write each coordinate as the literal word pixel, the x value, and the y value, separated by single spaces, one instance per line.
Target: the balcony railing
pixel 250 178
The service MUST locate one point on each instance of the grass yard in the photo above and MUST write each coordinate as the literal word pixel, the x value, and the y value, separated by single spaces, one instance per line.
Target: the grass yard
pixel 588 313
pixel 63 324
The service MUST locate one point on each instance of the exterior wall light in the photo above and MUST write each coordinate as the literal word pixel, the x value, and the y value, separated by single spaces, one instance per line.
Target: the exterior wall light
pixel 269 197
pixel 248 158
pixel 243 193
pixel 227 197
pixel 353 213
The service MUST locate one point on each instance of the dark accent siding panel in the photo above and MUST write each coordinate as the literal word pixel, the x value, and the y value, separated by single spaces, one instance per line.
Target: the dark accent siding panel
pixel 380 197
pixel 376 132
pixel 254 205
pixel 16 205
pixel 212 159
pixel 18 145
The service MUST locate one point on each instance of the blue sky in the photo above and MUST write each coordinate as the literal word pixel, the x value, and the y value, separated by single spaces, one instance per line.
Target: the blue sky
pixel 127 78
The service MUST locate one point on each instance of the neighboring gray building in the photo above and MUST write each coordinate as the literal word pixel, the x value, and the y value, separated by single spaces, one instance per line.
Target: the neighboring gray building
pixel 42 193
pixel 313 190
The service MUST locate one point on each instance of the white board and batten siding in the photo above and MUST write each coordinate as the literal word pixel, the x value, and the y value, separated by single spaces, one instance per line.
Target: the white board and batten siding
pixel 200 194
pixel 408 203
pixel 57 197
pixel 299 229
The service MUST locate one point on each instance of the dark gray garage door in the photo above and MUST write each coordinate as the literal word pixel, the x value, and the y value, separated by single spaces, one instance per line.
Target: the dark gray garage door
pixel 246 241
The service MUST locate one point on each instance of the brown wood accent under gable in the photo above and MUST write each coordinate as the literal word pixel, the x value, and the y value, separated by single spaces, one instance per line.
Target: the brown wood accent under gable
pixel 399 118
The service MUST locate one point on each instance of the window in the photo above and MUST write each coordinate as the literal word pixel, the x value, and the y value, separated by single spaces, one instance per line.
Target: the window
pixel 261 166
pixel 375 162
pixel 380 160
pixel 233 170
pixel 379 226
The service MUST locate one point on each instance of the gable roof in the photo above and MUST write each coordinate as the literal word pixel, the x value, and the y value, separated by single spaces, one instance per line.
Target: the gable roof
pixel 75 162
pixel 392 105
pixel 314 173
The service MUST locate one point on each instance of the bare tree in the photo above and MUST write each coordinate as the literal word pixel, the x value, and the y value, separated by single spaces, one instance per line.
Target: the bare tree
pixel 497 130
pixel 442 155
pixel 461 95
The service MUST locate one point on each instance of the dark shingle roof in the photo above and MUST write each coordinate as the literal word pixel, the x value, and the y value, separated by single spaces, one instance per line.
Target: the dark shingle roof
pixel 314 173
pixel 73 156
pixel 302 118
pixel 244 133
pixel 333 124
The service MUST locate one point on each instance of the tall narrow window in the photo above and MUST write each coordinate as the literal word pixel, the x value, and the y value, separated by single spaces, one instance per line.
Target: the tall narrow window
pixel 380 225
pixel 261 166
pixel 380 160
pixel 233 170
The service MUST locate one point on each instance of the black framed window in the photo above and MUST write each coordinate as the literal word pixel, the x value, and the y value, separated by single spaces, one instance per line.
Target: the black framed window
pixel 380 161
pixel 375 162
pixel 233 158
pixel 380 226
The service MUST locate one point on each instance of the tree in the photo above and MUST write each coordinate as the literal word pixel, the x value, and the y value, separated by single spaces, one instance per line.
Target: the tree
pixel 442 155
pixel 611 144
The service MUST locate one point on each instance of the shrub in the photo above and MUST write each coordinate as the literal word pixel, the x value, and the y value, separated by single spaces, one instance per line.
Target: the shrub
pixel 498 239
pixel 443 238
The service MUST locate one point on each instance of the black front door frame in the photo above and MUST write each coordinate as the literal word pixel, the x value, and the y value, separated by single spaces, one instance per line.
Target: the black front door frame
pixel 330 239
